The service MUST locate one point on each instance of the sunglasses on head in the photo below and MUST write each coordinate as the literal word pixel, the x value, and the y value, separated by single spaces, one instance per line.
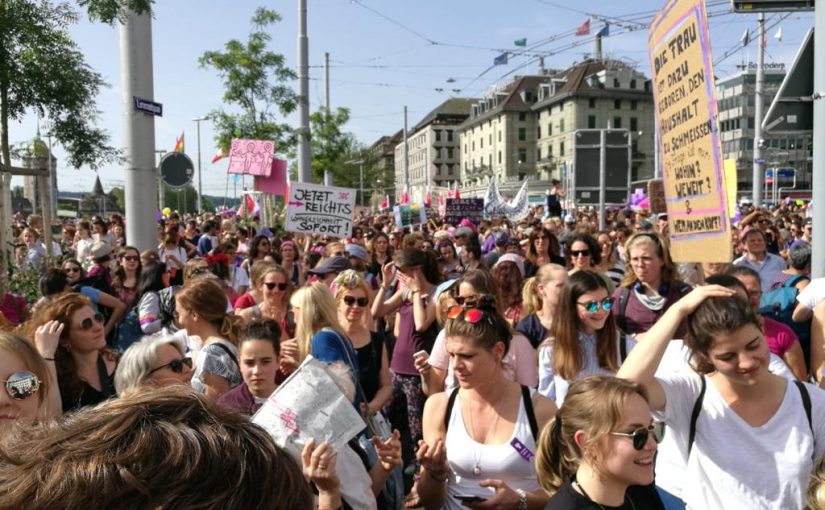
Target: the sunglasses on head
pixel 351 300
pixel 87 323
pixel 579 253
pixel 272 285
pixel 593 306
pixel 641 435
pixel 471 315
pixel 22 385
pixel 176 365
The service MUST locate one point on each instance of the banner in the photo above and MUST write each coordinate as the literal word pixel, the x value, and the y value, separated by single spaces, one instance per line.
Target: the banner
pixel 456 209
pixel 686 117
pixel 496 206
pixel 252 157
pixel 317 209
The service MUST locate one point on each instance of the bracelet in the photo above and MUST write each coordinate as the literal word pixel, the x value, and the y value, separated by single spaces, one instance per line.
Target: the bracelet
pixel 522 499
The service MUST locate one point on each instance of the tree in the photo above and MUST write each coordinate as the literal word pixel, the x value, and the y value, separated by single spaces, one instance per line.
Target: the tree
pixel 183 199
pixel 42 70
pixel 119 196
pixel 257 83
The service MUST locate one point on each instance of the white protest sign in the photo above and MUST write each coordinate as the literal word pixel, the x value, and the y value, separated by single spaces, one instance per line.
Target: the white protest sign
pixel 317 209
pixel 309 404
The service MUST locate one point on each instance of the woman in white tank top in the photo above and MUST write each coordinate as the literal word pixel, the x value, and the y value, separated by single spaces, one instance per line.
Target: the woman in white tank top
pixel 479 441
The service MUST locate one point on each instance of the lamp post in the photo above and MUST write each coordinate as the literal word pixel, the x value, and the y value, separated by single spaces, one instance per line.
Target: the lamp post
pixel 200 186
pixel 361 173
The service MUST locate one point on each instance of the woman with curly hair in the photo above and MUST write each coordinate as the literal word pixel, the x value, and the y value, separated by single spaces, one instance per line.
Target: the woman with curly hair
pixel 127 275
pixel 507 274
pixel 542 248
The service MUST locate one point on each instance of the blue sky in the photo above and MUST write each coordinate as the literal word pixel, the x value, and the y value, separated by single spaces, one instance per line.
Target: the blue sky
pixel 384 54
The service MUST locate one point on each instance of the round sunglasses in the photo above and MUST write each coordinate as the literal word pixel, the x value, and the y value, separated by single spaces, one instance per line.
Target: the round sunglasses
pixel 176 365
pixel 22 385
pixel 471 315
pixel 642 434
pixel 351 300
pixel 87 323
pixel 593 306
pixel 272 285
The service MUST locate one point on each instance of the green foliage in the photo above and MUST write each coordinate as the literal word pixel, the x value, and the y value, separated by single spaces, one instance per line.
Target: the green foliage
pixel 109 11
pixel 257 83
pixel 25 282
pixel 183 200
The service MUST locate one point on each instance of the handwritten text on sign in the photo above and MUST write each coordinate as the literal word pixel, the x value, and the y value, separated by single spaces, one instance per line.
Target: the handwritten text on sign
pixel 459 208
pixel 317 209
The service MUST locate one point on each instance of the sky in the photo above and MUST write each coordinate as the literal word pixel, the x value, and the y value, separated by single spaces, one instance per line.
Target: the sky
pixel 384 55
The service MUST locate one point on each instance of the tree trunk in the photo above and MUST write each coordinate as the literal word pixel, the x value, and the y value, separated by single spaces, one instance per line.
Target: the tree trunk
pixel 5 182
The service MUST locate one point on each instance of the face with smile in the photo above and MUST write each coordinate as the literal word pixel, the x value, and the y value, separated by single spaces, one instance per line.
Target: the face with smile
pixel 259 364
pixel 606 245
pixel 12 409
pixel 741 356
pixel 621 463
pixel 350 305
pixel 271 287
pixel 72 271
pixel 164 374
pixel 592 321
pixel 130 260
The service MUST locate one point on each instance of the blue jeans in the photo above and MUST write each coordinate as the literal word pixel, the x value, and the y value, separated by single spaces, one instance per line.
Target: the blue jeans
pixel 670 501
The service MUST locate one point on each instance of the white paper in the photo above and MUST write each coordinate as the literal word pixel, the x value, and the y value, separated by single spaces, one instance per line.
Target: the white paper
pixel 309 404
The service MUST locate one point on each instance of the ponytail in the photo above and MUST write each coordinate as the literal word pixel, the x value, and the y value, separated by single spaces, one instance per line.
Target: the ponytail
pixel 230 328
pixel 553 467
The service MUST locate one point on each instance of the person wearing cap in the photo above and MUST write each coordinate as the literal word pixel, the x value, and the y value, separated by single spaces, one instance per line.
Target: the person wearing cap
pixel 462 234
pixel 359 258
pixel 102 258
pixel 566 233
pixel 330 268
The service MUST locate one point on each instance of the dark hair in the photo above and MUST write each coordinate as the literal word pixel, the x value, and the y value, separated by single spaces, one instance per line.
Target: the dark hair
pixel 481 280
pixel 568 353
pixel 53 282
pixel 752 231
pixel 487 332
pixel 508 280
pixel 715 317
pixel 208 226
pixel 266 330
pixel 120 273
pixel 412 257
pixel 253 247
pixel 151 279
pixel 592 246
pixel 471 245
pixel 745 271
pixel 726 280
pixel 553 247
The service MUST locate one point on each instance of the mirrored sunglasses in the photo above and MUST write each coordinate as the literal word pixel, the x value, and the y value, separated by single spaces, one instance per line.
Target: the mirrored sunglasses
pixel 641 435
pixel 593 306
pixel 471 315
pixel 351 300
pixel 22 385
pixel 176 365
pixel 272 285
pixel 89 322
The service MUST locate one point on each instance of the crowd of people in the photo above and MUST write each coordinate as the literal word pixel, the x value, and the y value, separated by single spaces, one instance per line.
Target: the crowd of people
pixel 531 364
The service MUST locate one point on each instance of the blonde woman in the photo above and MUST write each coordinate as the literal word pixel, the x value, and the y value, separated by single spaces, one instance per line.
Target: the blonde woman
pixel 541 296
pixel 275 289
pixel 29 375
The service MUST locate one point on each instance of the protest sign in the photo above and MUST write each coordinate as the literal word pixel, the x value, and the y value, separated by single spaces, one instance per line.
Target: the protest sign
pixel 456 209
pixel 251 157
pixel 408 215
pixel 309 404
pixel 686 117
pixel 317 209
pixel 656 196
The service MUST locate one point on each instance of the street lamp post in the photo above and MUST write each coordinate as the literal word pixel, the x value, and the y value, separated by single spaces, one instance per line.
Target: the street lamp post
pixel 361 173
pixel 200 184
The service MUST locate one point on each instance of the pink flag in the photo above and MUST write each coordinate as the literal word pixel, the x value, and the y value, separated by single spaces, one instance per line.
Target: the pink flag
pixel 276 182
pixel 584 29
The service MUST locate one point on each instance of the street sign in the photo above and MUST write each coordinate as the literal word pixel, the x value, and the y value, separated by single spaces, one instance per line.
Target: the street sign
pixel 785 172
pixel 176 169
pixel 148 107
pixel 750 6
pixel 792 109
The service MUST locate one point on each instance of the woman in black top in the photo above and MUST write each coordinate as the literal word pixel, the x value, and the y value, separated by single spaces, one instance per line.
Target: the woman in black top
pixel 598 452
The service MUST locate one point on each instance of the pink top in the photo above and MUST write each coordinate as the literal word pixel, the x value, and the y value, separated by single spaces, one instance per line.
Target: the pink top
pixel 780 337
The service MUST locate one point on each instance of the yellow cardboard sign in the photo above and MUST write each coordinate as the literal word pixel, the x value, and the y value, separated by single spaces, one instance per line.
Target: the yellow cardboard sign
pixel 685 105
pixel 731 185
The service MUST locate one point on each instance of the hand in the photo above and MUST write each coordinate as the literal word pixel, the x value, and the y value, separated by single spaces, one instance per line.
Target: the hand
pixel 319 466
pixel 422 364
pixel 389 451
pixel 47 337
pixel 289 355
pixel 503 497
pixel 433 459
pixel 691 301
pixel 387 273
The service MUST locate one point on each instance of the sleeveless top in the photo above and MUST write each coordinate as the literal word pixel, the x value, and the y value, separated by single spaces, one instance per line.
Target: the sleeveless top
pixel 90 396
pixel 498 462
pixel 410 341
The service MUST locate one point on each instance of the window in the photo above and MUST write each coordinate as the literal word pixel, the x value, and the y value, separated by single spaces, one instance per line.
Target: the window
pixel 522 116
pixel 634 124
pixel 499 157
pixel 450 139
pixel 449 152
pixel 437 135
pixel 474 145
pixel 616 83
pixel 634 105
pixel 522 155
pixel 465 148
pixel 499 135
pixel 522 134
pixel 550 129
pixel 750 123
pixel 617 123
pixel 617 104
pixel 591 102
pixel 491 138
pixel 550 151
pixel 591 122
pixel 490 160
pixel 633 84
pixel 538 132
pixel 561 126
pixel 561 148
pixel 538 153
pixel 481 143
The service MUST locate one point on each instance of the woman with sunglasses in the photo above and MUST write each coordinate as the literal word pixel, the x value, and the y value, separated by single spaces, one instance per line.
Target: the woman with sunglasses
pixel 28 378
pixel 127 275
pixel 153 362
pixel 275 289
pixel 542 248
pixel 85 372
pixel 479 440
pixel 731 413
pixel 598 452
pixel 582 340
pixel 258 250
pixel 259 351
pixel 374 372
pixel 650 286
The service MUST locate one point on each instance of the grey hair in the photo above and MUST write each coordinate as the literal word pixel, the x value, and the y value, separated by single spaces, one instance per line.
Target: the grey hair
pixel 139 360
pixel 800 256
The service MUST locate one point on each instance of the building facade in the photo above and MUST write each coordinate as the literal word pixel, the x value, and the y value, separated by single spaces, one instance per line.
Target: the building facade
pixel 735 96
pixel 383 154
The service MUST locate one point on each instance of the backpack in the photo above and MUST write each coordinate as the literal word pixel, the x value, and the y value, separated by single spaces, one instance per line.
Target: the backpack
pixel 779 303
pixel 127 331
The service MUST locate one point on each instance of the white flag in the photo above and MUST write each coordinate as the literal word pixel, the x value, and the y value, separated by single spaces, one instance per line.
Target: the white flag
pixel 746 38
pixel 778 35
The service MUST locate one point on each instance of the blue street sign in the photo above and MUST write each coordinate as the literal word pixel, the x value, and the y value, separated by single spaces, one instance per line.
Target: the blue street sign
pixel 148 107
pixel 785 172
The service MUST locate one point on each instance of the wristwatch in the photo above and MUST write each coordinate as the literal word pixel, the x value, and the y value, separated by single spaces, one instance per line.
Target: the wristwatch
pixel 522 499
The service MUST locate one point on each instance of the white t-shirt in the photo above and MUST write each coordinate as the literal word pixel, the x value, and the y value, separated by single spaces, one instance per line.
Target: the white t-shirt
pixel 813 294
pixel 240 278
pixel 734 465
pixel 670 462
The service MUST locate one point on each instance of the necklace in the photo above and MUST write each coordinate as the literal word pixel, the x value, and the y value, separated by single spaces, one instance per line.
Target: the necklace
pixel 477 466
pixel 584 493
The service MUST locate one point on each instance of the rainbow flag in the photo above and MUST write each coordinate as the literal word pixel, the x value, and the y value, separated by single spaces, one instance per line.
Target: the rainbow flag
pixel 179 144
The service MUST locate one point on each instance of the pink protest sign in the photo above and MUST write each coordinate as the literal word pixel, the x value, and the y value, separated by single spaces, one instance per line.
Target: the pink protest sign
pixel 276 182
pixel 252 157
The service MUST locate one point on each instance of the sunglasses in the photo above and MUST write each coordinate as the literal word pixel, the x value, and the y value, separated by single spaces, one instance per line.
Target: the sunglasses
pixel 87 323
pixel 471 315
pixel 462 300
pixel 593 306
pixel 72 269
pixel 272 285
pixel 351 300
pixel 579 253
pixel 176 365
pixel 131 258
pixel 641 435
pixel 22 385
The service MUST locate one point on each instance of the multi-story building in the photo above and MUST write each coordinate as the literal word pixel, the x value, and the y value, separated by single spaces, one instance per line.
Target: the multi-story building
pixel 432 149
pixel 498 141
pixel 383 154
pixel 594 94
pixel 735 96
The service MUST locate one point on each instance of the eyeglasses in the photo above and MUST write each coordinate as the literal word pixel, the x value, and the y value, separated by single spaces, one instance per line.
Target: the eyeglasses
pixel 593 306
pixel 87 323
pixel 579 253
pixel 71 269
pixel 272 285
pixel 22 385
pixel 461 300
pixel 351 300
pixel 176 365
pixel 131 258
pixel 641 435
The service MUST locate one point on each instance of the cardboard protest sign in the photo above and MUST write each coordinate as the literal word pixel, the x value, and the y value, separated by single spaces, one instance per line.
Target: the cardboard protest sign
pixel 408 215
pixel 276 182
pixel 252 157
pixel 317 209
pixel 686 117
pixel 456 209
pixel 656 196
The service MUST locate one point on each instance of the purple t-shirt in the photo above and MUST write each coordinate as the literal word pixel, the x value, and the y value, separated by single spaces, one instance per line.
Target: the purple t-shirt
pixel 410 341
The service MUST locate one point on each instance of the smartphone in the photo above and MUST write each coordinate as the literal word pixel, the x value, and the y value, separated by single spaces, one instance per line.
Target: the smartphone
pixel 469 499
pixel 421 354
